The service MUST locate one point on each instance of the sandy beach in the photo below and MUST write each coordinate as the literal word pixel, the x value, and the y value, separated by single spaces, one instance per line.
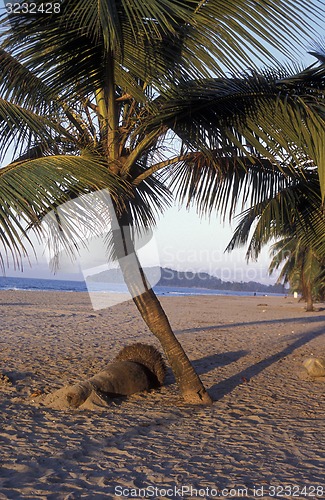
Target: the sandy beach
pixel 264 436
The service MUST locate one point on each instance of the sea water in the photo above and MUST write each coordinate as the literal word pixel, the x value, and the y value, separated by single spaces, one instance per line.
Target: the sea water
pixel 36 284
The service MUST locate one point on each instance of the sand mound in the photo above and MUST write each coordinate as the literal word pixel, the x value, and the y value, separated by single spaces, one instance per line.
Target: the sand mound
pixel 137 368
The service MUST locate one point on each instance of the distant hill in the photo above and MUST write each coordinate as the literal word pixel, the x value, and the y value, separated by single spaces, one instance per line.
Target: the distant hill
pixel 187 279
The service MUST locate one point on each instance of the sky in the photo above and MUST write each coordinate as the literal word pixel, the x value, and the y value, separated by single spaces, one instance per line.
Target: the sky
pixel 182 241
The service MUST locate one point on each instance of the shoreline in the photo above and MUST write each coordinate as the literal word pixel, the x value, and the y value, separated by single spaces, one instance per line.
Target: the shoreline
pixel 266 426
pixel 99 287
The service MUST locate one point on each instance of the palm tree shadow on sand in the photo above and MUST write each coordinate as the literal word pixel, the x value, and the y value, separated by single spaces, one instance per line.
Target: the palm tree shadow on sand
pixel 302 319
pixel 209 363
pixel 224 387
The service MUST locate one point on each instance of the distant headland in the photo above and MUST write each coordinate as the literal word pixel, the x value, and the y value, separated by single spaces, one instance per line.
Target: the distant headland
pixel 187 279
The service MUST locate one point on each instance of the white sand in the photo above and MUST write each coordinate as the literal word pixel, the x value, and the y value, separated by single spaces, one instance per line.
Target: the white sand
pixel 265 429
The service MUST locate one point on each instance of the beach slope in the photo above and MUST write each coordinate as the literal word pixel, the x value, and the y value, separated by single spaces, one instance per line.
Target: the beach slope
pixel 266 428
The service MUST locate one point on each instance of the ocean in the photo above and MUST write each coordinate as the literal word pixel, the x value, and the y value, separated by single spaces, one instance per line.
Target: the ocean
pixel 47 285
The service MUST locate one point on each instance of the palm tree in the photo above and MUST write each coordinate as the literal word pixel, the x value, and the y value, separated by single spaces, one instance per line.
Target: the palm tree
pixel 92 96
pixel 292 212
pixel 302 268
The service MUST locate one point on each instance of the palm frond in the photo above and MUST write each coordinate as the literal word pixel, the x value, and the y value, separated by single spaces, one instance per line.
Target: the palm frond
pixel 149 199
pixel 224 183
pixel 16 79
pixel 252 117
pixel 160 38
pixel 241 136
pixel 21 128
pixel 294 211
pixel 29 190
pixel 301 265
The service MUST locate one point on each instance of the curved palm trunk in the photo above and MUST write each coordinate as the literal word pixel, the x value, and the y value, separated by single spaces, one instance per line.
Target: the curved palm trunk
pixel 154 316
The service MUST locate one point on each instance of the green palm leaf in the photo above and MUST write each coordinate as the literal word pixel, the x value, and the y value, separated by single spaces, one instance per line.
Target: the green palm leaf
pixel 302 267
pixel 31 189
pixel 250 119
pixel 22 127
pixel 294 211
pixel 16 79
pixel 160 36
